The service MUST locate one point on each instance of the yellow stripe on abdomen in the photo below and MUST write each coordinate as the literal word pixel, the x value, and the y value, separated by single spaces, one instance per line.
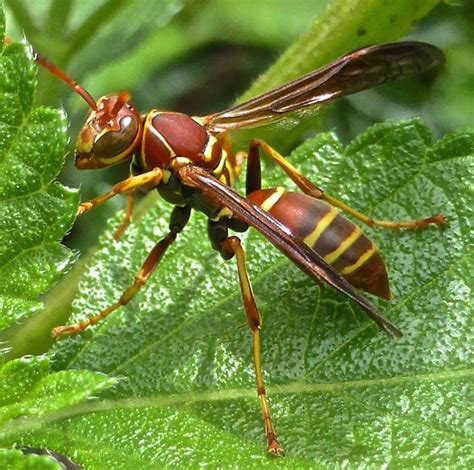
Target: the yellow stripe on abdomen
pixel 360 262
pixel 268 203
pixel 321 226
pixel 344 246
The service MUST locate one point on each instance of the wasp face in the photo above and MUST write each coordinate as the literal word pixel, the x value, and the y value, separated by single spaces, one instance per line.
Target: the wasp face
pixel 110 135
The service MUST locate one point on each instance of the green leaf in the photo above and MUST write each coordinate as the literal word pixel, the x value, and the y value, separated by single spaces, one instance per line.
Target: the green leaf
pixel 15 459
pixel 146 45
pixel 341 392
pixel 36 212
pixel 29 389
pixel 30 393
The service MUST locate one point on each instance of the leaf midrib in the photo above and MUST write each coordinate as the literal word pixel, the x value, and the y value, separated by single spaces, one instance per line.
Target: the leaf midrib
pixel 233 394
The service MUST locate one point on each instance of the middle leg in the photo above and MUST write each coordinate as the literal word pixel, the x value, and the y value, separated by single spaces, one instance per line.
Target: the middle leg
pixel 179 218
pixel 230 247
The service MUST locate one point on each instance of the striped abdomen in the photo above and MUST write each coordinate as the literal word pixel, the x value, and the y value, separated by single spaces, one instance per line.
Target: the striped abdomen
pixel 340 242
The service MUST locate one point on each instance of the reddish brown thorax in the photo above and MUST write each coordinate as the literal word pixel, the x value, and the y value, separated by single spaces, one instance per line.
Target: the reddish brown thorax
pixel 175 138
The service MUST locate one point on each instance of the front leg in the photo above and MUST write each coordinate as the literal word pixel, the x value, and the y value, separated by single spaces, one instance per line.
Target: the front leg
pixel 130 185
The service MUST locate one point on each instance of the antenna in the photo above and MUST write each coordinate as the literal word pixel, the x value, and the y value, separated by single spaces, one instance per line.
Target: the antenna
pixel 62 75
pixel 123 97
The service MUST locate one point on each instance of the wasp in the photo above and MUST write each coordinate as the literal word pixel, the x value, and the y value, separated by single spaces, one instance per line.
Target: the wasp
pixel 190 161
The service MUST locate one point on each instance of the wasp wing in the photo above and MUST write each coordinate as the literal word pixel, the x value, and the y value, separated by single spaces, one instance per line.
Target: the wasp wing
pixel 360 70
pixel 303 256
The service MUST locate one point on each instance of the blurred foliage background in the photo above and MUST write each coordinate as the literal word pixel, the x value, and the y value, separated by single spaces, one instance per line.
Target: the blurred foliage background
pixel 198 56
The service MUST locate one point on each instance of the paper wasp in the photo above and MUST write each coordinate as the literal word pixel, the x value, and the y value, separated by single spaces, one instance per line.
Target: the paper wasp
pixel 191 162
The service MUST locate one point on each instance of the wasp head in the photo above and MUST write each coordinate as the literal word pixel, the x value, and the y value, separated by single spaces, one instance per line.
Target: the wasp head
pixel 110 135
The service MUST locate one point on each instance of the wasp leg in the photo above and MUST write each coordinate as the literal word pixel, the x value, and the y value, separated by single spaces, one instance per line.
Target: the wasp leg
pixel 235 159
pixel 253 184
pixel 150 178
pixel 179 218
pixel 231 246
pixel 127 218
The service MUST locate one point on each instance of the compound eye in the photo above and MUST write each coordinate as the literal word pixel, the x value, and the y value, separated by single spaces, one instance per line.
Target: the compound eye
pixel 113 143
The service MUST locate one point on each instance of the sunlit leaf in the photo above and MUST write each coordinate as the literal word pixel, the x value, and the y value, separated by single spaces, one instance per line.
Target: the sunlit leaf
pixel 30 394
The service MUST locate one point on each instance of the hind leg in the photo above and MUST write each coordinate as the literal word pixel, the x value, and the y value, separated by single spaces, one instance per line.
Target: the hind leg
pixel 253 184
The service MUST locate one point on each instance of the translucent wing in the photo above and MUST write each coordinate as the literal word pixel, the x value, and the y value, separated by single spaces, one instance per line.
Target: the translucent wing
pixel 360 70
pixel 303 256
